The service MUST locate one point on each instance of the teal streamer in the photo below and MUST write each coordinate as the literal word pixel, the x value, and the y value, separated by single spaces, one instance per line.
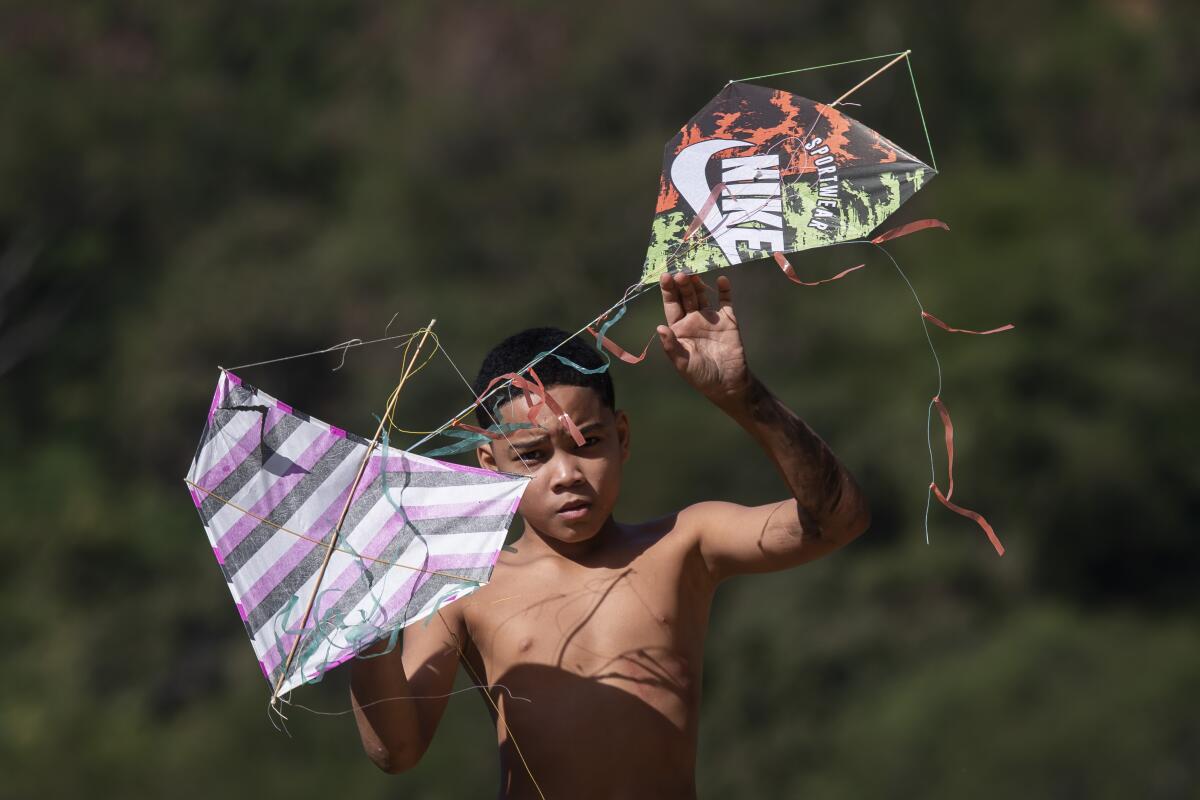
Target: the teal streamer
pixel 471 440
pixel 309 644
pixel 600 334
pixel 393 640
pixel 442 599
pixel 599 346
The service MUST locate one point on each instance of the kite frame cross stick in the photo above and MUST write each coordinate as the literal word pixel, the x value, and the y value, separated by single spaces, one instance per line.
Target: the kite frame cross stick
pixel 331 547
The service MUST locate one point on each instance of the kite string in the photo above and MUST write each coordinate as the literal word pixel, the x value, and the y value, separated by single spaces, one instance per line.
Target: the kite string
pixel 470 688
pixel 928 411
pixel 822 66
pixel 634 291
pixel 346 510
pixel 936 361
pixel 499 426
pixel 921 113
pixel 501 718
pixel 342 346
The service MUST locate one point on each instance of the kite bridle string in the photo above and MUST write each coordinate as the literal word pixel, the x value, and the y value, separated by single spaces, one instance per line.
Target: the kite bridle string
pixel 362 467
pixel 896 56
pixel 813 69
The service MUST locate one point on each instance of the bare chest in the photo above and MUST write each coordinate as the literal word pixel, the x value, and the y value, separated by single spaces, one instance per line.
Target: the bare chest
pixel 636 627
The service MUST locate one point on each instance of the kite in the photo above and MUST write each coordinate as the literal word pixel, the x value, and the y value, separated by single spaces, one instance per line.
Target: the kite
pixel 761 171
pixel 330 542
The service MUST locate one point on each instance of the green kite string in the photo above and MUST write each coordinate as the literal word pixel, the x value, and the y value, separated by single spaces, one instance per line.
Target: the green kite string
pixel 912 76
pixel 812 69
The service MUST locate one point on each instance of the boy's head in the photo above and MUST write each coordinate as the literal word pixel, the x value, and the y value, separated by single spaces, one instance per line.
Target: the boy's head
pixel 574 487
pixel 519 349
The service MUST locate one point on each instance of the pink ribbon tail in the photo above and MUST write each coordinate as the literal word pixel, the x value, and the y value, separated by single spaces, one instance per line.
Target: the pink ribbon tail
pixel 945 327
pixel 944 499
pixel 909 227
pixel 790 273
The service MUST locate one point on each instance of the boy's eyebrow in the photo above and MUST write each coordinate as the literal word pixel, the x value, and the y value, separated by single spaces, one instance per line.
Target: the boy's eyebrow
pixel 536 440
pixel 542 438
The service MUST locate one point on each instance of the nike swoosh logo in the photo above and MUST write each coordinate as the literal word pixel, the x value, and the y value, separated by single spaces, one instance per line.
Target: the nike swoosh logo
pixel 688 175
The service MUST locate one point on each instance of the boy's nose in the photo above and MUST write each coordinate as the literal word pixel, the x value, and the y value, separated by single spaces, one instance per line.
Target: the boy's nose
pixel 565 472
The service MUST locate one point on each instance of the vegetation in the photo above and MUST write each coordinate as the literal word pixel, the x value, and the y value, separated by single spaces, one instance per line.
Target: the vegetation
pixel 190 184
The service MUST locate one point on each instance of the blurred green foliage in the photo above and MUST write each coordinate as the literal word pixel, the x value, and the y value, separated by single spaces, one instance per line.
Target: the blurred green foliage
pixel 187 184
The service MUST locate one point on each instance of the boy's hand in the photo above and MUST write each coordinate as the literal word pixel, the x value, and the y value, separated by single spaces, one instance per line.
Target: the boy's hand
pixel 703 342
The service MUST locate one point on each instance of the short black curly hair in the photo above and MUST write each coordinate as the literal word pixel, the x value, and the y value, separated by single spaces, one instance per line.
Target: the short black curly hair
pixel 519 349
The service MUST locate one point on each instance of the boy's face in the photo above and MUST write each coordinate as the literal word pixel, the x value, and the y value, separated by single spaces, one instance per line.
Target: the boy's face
pixel 574 488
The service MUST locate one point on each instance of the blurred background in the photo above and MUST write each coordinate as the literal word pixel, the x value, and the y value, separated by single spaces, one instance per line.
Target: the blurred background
pixel 184 185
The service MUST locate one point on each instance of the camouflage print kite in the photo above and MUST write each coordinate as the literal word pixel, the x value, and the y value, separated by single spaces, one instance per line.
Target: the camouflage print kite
pixel 760 171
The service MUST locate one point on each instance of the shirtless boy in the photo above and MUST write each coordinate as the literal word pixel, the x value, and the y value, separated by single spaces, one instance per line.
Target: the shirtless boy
pixel 601 624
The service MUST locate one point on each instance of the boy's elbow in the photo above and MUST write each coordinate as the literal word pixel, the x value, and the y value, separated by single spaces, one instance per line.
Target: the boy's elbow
pixel 862 519
pixel 855 523
pixel 395 760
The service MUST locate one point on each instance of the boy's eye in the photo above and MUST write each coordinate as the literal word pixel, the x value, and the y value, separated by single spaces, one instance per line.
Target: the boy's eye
pixel 591 440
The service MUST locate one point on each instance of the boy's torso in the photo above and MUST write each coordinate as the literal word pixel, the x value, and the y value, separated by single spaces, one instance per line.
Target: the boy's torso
pixel 603 661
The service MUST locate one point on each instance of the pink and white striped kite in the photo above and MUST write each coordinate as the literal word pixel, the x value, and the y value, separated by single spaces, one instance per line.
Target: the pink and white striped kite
pixel 270 484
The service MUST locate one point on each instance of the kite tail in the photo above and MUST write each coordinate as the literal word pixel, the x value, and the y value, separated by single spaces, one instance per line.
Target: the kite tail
pixel 933 491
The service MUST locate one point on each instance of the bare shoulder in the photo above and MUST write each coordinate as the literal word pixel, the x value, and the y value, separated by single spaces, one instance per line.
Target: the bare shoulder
pixel 695 520
pixel 443 629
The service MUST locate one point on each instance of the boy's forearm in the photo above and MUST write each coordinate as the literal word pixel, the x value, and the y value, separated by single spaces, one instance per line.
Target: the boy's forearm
pixel 388 726
pixel 827 497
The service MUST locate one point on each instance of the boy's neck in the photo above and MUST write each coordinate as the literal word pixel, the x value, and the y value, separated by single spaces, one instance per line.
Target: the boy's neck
pixel 541 544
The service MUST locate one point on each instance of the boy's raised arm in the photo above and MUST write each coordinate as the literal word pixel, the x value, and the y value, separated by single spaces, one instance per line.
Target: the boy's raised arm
pixel 827 508
pixel 399 698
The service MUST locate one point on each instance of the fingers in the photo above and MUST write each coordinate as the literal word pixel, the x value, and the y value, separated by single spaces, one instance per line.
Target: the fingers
pixel 702 289
pixel 687 291
pixel 683 293
pixel 671 346
pixel 724 292
pixel 672 304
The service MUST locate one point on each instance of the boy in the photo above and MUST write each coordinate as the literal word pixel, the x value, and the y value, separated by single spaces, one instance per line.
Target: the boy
pixel 589 638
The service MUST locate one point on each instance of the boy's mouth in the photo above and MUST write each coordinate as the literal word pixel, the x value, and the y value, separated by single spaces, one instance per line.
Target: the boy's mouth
pixel 575 509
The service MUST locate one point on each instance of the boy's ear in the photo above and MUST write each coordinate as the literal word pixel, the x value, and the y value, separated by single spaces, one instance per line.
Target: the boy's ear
pixel 487 459
pixel 623 435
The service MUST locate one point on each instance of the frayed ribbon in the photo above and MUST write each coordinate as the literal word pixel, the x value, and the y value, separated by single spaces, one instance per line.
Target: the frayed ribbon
pixel 790 273
pixel 533 388
pixel 907 228
pixel 617 350
pixel 945 327
pixel 703 212
pixel 944 499
pixel 604 343
pixel 894 233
